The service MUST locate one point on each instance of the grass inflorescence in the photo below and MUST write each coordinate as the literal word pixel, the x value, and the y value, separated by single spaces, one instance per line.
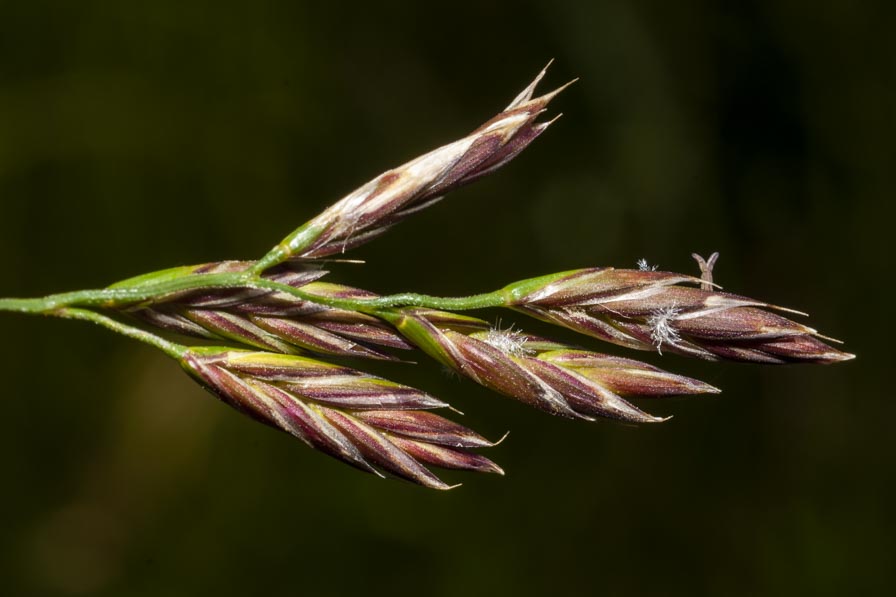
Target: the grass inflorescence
pixel 261 332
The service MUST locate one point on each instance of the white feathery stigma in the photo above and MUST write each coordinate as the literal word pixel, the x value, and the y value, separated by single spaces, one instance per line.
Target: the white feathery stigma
pixel 645 267
pixel 509 340
pixel 661 329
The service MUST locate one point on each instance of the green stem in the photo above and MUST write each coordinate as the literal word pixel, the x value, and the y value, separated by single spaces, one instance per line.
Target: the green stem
pixel 117 297
pixel 497 298
pixel 173 350
pixel 114 297
pixel 298 240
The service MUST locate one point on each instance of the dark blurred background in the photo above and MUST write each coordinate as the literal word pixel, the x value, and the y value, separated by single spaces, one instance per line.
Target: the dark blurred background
pixel 140 135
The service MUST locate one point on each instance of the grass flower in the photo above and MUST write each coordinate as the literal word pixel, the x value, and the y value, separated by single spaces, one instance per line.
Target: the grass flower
pixel 652 310
pixel 548 375
pixel 368 422
pixel 376 206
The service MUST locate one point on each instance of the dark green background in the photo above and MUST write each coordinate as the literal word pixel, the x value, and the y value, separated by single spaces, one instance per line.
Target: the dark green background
pixel 140 135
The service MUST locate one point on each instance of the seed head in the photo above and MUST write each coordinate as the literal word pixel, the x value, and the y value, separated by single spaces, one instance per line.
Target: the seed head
pixel 649 310
pixel 372 209
pixel 368 422
pixel 547 375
